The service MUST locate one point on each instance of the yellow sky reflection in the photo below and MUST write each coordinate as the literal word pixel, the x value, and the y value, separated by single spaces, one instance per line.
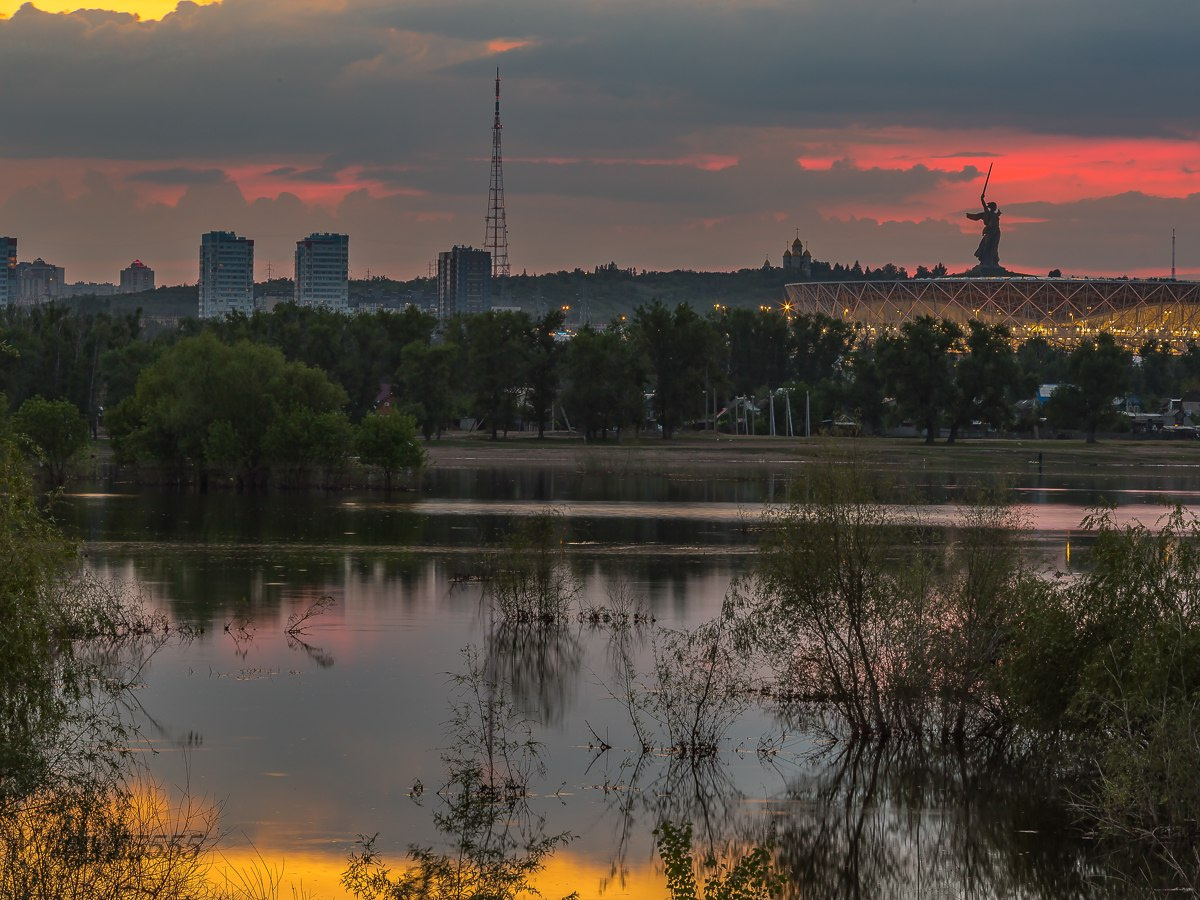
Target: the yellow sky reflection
pixel 318 874
pixel 147 9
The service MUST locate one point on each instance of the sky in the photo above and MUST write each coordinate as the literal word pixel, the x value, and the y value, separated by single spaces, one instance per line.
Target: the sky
pixel 657 134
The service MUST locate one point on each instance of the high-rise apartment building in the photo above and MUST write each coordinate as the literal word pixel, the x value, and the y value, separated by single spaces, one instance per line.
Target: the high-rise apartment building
pixel 8 271
pixel 136 278
pixel 464 282
pixel 323 271
pixel 226 274
pixel 39 281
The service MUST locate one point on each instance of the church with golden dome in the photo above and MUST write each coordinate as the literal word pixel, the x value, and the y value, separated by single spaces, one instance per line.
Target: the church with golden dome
pixel 797 259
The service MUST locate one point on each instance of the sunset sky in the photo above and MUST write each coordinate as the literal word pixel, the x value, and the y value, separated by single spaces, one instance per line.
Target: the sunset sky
pixel 659 134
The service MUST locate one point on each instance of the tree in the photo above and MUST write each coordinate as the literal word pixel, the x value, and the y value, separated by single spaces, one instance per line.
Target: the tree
pixel 389 442
pixel 918 367
pixel 301 440
pixel 53 432
pixel 987 379
pixel 208 406
pixel 759 348
pixel 604 378
pixel 497 361
pixel 679 347
pixel 544 353
pixel 1099 373
pixel 862 392
pixel 820 344
pixel 427 380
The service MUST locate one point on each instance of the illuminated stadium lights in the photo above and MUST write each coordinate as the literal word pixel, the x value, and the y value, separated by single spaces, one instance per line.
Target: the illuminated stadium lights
pixel 1060 310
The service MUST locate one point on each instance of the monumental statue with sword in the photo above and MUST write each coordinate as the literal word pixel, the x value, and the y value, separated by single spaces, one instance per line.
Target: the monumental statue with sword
pixel 988 252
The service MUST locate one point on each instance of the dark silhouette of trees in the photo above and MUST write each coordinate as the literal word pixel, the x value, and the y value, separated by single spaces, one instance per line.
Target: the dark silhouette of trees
pixel 544 354
pixel 496 348
pixel 52 431
pixel 987 379
pixel 603 375
pixel 919 368
pixel 1099 373
pixel 679 347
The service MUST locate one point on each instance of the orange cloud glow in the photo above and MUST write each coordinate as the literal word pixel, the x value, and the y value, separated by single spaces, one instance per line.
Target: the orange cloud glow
pixel 1026 168
pixel 503 45
pixel 146 9
pixel 707 162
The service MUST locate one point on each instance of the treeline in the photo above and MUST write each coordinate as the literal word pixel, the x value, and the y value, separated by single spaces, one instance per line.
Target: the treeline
pixel 249 395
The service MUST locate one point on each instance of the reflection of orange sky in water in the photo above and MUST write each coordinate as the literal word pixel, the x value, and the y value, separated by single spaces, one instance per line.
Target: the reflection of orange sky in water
pixel 147 9
pixel 319 874
pixel 1027 168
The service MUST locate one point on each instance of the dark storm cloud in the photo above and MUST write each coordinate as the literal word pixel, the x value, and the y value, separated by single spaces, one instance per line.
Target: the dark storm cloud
pixel 179 175
pixel 378 81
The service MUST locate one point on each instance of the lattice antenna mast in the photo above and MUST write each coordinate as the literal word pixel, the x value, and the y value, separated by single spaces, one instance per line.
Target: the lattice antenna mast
pixel 496 239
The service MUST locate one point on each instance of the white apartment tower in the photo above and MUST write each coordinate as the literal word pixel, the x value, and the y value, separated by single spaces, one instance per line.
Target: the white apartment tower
pixel 226 274
pixel 323 271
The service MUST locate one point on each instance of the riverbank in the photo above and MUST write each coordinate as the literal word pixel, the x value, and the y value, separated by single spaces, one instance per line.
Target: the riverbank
pixel 705 451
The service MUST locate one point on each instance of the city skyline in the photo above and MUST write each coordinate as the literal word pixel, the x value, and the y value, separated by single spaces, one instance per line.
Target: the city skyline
pixel 657 135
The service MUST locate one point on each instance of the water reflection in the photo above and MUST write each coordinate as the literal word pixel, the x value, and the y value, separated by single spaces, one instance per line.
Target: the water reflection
pixel 313 737
pixel 539 665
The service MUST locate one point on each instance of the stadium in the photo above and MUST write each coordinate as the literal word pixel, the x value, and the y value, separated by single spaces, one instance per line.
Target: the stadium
pixel 1060 310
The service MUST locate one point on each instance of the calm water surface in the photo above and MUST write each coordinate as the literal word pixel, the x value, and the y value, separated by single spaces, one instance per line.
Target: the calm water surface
pixel 308 741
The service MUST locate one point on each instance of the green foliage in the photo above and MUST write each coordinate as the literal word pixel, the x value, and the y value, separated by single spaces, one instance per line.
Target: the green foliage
pixel 427 378
pixel 751 876
pixel 356 352
pixel 301 441
pixel 389 441
pixel 53 432
pixel 33 640
pixel 987 379
pixel 212 407
pixel 545 351
pixel 760 349
pixel 894 626
pixel 919 368
pixel 1099 373
pixel 603 374
pixel 60 354
pixel 497 348
pixel 681 350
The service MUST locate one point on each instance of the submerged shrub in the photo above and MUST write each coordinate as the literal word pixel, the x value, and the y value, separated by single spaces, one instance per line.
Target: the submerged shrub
pixel 897 626
pixel 530 581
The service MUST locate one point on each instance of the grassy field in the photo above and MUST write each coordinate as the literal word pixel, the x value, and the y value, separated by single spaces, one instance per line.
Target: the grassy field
pixel 999 457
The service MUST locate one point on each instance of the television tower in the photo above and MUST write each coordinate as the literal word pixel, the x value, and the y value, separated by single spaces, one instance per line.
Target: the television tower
pixel 496 239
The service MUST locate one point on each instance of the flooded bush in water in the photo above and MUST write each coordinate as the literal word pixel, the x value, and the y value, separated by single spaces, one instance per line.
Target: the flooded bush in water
pixel 858 607
pixel 700 686
pixel 940 637
pixel 751 876
pixel 75 821
pixel 1111 662
pixel 498 843
pixel 530 580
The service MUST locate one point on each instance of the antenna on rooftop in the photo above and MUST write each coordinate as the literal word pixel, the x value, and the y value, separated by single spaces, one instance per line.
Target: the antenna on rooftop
pixel 1172 254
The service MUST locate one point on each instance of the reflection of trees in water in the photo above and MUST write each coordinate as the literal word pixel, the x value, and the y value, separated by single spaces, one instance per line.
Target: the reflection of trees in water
pixel 497 841
pixel 879 820
pixel 539 664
